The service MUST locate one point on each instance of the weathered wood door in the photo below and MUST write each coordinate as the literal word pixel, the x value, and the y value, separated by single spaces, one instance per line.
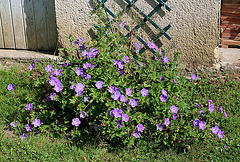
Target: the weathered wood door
pixel 28 24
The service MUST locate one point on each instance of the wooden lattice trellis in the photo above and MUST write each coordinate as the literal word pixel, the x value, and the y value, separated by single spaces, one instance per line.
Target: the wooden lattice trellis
pixel 131 4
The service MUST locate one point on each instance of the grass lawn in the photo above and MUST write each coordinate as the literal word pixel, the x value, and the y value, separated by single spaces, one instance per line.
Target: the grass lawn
pixel 36 147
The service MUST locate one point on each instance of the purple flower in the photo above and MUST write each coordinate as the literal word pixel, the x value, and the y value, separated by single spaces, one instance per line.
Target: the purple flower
pixel 14 124
pixel 23 136
pixel 174 109
pixel 36 123
pixel 194 77
pixel 79 71
pixel 174 116
pixel 116 62
pixel 138 46
pixel 86 98
pixel 57 72
pixel 49 68
pixel 52 96
pixel 211 108
pixel 65 65
pixel 116 95
pixel 174 81
pixel 166 122
pixel 86 66
pixel 32 66
pixel 79 93
pixel 29 106
pixel 160 78
pixel 119 123
pixel 88 76
pixel 136 134
pixel 144 92
pixel 29 127
pixel 215 130
pixel 125 117
pixel 94 65
pixel 10 87
pixel 85 52
pixel 117 113
pixel 225 114
pixel 122 98
pixel 220 134
pixel 121 71
pixel 201 125
pixel 128 91
pixel 120 65
pixel 201 112
pixel 220 109
pixel 160 126
pixel 111 113
pixel 72 86
pixel 196 122
pixel 93 51
pixel 140 127
pixel 197 105
pixel 34 61
pixel 75 42
pixel 99 84
pixel 125 59
pixel 133 102
pixel 111 89
pixel 152 45
pixel 225 147
pixel 76 122
pixel 79 87
pixel 164 92
pixel 163 98
pixel 58 87
pixel 54 81
pixel 165 59
pixel 82 114
pixel 121 25
pixel 82 47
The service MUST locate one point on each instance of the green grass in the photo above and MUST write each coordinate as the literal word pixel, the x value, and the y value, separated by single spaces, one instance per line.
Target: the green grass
pixel 224 92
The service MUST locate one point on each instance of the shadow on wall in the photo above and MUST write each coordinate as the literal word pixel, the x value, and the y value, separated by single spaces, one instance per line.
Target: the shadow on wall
pixel 40 24
pixel 149 30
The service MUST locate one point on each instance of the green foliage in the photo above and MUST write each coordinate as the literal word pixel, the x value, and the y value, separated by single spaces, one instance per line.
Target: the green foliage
pixel 57 113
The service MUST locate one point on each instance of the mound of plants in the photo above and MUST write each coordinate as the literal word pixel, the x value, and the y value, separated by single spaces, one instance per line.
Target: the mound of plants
pixel 106 91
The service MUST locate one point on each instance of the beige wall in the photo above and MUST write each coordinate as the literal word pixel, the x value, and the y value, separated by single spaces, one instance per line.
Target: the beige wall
pixel 195 25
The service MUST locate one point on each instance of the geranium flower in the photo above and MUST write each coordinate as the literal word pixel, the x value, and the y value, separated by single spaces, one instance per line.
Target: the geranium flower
pixel 166 122
pixel 29 127
pixel 160 126
pixel 136 134
pixel 10 87
pixel 36 123
pixel 29 106
pixel 174 109
pixel 23 136
pixel 140 127
pixel 76 122
pixel 144 92
pixel 125 117
pixel 99 84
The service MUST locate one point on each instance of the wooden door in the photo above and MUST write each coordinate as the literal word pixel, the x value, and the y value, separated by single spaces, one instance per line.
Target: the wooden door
pixel 28 24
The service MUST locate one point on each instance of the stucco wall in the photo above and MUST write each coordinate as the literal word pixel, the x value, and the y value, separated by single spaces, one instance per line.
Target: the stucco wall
pixel 195 25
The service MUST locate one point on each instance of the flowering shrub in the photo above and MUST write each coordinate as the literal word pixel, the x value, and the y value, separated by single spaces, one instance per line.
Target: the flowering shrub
pixel 108 93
